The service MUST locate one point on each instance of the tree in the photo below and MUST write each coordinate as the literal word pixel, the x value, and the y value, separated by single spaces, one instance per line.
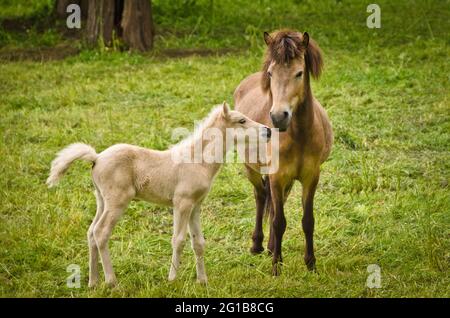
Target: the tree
pixel 137 24
pixel 128 20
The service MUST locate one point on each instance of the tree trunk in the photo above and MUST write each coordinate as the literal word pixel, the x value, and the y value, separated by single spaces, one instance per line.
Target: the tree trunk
pixel 100 23
pixel 130 20
pixel 137 24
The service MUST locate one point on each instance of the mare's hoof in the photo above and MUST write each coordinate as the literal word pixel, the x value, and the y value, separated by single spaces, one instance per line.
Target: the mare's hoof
pixel 256 250
pixel 276 269
pixel 310 263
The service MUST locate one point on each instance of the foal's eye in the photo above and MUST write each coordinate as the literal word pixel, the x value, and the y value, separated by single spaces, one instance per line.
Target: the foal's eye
pixel 299 74
pixel 269 73
pixel 242 121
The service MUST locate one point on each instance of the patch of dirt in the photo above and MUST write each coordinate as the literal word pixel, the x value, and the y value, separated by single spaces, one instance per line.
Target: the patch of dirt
pixel 23 24
pixel 38 54
pixel 177 53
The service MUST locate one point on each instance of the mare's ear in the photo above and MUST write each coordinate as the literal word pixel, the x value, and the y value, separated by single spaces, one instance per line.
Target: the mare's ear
pixel 267 38
pixel 225 109
pixel 313 57
pixel 305 41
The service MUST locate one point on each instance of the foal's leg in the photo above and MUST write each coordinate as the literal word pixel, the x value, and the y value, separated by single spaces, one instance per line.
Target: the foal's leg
pixel 181 215
pixel 115 205
pixel 309 189
pixel 93 250
pixel 278 224
pixel 198 244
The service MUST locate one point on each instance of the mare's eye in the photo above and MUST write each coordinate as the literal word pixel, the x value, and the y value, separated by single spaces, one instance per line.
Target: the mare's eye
pixel 299 74
pixel 269 73
pixel 242 121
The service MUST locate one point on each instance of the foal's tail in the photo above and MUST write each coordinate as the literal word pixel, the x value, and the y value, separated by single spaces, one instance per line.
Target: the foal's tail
pixel 65 157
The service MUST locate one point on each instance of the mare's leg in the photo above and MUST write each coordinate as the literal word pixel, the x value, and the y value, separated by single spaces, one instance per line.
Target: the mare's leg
pixel 181 215
pixel 309 189
pixel 271 243
pixel 93 250
pixel 278 224
pixel 198 244
pixel 259 191
pixel 115 204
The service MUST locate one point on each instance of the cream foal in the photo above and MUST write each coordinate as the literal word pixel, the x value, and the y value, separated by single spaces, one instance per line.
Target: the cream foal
pixel 124 172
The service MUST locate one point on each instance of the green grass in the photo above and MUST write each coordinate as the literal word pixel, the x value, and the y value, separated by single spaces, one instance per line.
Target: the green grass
pixel 383 197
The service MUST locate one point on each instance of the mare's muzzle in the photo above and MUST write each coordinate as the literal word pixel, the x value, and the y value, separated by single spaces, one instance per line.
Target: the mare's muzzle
pixel 281 120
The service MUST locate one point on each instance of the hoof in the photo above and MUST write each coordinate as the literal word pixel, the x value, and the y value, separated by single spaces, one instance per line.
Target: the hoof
pixel 93 284
pixel 256 250
pixel 202 281
pixel 276 269
pixel 111 284
pixel 310 263
pixel 171 278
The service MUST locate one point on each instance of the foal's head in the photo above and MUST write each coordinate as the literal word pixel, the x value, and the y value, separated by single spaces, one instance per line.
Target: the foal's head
pixel 236 120
pixel 291 57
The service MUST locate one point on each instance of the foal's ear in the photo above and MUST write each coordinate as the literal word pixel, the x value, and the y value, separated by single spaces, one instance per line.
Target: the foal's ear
pixel 267 38
pixel 225 109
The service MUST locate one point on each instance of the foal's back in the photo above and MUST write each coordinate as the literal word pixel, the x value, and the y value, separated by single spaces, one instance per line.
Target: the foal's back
pixel 145 172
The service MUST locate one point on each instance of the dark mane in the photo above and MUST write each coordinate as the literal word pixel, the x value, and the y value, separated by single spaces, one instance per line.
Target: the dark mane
pixel 286 45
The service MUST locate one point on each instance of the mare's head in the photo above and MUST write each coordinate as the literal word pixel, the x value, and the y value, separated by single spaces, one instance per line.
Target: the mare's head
pixel 290 59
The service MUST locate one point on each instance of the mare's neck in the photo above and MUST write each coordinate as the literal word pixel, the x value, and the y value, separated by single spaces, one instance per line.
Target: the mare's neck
pixel 303 116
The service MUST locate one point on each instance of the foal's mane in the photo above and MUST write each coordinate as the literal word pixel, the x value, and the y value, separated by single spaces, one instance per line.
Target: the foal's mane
pixel 207 122
pixel 286 45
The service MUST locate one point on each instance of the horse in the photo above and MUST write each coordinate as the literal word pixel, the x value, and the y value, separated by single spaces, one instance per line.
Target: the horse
pixel 280 96
pixel 125 172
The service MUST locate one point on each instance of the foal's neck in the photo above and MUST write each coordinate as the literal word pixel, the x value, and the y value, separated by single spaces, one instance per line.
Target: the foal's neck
pixel 200 142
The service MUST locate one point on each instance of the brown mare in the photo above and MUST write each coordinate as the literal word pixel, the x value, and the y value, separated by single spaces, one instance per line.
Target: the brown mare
pixel 280 96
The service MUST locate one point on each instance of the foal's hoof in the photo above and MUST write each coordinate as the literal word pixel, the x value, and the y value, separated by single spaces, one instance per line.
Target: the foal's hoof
pixel 111 283
pixel 93 283
pixel 202 281
pixel 256 250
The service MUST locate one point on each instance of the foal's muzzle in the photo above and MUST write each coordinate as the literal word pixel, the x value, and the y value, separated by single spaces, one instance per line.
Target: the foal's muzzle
pixel 281 120
pixel 266 133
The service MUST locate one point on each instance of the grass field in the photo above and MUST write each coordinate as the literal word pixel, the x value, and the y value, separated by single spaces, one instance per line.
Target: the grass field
pixel 383 197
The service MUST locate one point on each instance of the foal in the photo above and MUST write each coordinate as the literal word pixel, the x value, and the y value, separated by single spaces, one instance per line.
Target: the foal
pixel 124 172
